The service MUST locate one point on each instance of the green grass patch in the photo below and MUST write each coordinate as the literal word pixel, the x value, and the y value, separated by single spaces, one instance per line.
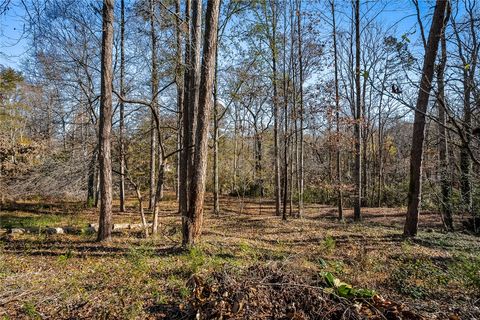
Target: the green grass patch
pixel 30 310
pixel 42 220
pixel 419 278
pixel 328 245
pixel 466 270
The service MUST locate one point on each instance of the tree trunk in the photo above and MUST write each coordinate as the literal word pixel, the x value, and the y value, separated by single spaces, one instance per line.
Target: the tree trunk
pixel 159 187
pixel 195 212
pixel 469 66
pixel 140 205
pixel 154 89
pixel 97 187
pixel 105 126
pixel 465 161
pixel 380 144
pixel 258 164
pixel 276 110
pixel 294 152
pixel 179 79
pixel 445 181
pixel 235 152
pixel 152 164
pixel 416 155
pixel 185 152
pixel 285 120
pixel 337 117
pixel 122 106
pixel 196 34
pixel 192 78
pixel 358 120
pixel 92 172
pixel 216 191
pixel 142 213
pixel 301 174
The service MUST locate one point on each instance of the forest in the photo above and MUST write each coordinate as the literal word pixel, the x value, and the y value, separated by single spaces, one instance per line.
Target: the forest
pixel 242 159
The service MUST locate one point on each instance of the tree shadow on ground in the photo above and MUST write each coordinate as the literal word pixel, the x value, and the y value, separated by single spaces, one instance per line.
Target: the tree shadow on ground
pixel 8 221
pixel 43 207
pixel 82 248
pixel 168 311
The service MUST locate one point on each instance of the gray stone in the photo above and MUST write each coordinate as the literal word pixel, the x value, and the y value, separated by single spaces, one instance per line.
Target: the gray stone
pixel 121 226
pixel 17 231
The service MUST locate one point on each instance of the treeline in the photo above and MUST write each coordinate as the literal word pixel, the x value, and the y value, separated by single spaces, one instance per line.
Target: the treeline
pixel 329 102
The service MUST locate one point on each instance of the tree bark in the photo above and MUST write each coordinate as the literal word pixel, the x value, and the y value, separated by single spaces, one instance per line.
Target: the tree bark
pixel 191 105
pixel 160 181
pixel 285 119
pixel 276 110
pixel 92 172
pixel 105 126
pixel 122 106
pixel 196 200
pixel 445 181
pixel 216 191
pixel 196 45
pixel 185 152
pixel 140 202
pixel 235 151
pixel 358 120
pixel 301 173
pixel 179 79
pixel 416 155
pixel 154 89
pixel 337 116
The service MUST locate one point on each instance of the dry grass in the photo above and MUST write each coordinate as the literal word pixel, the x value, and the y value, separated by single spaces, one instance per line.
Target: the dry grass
pixel 60 276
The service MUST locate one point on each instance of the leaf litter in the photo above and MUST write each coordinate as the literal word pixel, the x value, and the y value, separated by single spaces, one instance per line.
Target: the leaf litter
pixel 272 292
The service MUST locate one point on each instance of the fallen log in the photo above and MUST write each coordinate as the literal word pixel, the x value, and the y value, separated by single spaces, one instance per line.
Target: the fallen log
pixel 92 228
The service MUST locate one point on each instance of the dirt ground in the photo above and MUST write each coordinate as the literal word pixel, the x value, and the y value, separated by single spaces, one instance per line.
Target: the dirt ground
pixel 64 276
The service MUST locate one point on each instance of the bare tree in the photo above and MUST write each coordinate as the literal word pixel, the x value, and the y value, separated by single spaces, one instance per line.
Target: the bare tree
pixel 416 155
pixel 154 90
pixel 216 116
pixel 105 125
pixel 197 189
pixel 301 173
pixel 179 79
pixel 337 113
pixel 358 120
pixel 446 189
pixel 469 57
pixel 276 109
pixel 185 152
pixel 122 106
pixel 286 134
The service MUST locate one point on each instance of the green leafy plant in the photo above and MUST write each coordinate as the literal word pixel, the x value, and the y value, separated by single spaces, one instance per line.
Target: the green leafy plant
pixel 467 270
pixel 329 244
pixel 64 257
pixel 418 278
pixel 344 289
pixel 195 258
pixel 30 310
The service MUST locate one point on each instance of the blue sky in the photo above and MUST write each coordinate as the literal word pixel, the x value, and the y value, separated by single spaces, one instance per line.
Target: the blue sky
pixel 13 41
pixel 13 44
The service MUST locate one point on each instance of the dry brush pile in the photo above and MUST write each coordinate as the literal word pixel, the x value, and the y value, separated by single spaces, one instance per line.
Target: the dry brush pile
pixel 271 292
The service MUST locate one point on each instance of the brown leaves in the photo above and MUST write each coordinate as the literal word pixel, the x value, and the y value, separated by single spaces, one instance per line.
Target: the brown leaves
pixel 272 293
pixel 394 310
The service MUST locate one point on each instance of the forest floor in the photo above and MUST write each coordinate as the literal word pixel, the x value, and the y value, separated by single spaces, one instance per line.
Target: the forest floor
pixel 62 276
